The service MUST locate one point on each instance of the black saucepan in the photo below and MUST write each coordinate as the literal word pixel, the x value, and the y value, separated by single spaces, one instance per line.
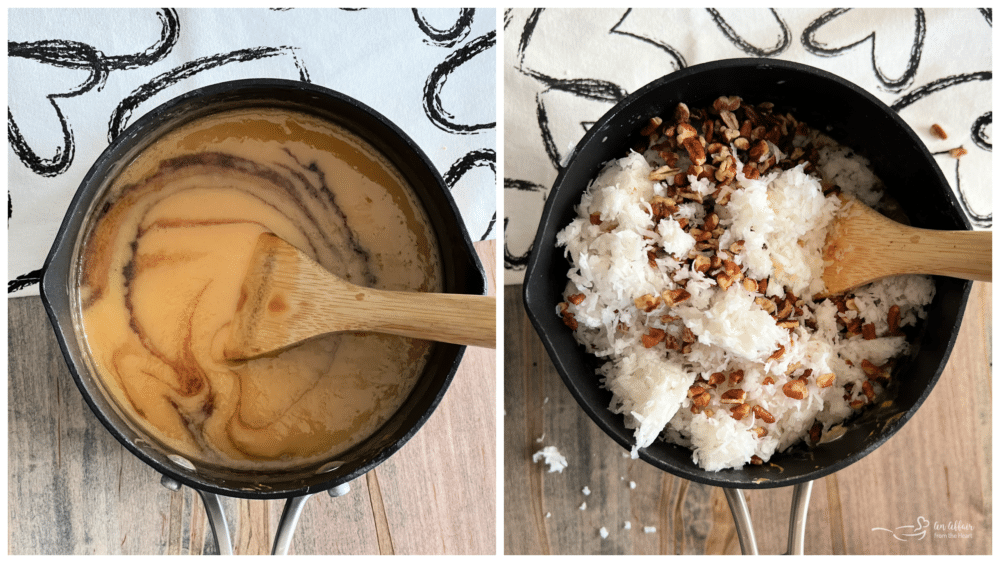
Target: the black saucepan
pixel 824 101
pixel 462 274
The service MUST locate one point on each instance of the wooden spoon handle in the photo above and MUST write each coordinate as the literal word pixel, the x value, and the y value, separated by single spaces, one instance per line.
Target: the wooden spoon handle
pixel 960 254
pixel 444 317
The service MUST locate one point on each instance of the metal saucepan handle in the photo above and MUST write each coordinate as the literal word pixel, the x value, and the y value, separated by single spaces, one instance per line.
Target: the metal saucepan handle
pixel 286 524
pixel 796 525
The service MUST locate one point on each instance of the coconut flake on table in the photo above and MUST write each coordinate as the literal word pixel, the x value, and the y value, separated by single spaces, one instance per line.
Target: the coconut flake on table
pixel 552 457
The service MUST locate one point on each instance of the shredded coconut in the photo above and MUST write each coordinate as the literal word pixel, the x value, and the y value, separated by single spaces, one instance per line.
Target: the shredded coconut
pixel 728 348
pixel 552 457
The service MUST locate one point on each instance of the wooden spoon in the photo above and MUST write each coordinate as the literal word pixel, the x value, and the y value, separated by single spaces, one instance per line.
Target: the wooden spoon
pixel 287 298
pixel 864 245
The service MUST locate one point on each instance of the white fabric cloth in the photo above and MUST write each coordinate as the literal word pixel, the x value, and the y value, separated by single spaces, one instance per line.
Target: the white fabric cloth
pixel 76 77
pixel 934 66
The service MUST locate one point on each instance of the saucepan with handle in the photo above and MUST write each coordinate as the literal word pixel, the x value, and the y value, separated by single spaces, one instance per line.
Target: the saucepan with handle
pixel 854 118
pixel 462 273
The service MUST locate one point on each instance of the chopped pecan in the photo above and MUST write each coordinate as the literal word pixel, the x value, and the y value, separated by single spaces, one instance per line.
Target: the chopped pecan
pixel 768 381
pixel 711 221
pixel 777 353
pixel 716 379
pixel 732 269
pixel 669 157
pixel 761 413
pixel 868 390
pixel 595 218
pixel 576 298
pixel 726 170
pixel 701 263
pixel 740 411
pixel 938 131
pixel 752 116
pixel 733 397
pixel 662 173
pixel 755 460
pixel 651 126
pixel 681 113
pixel 675 296
pixel 696 150
pixel 726 103
pixel 700 235
pixel 758 151
pixel 653 337
pixel 701 399
pixel 870 369
pixel 893 320
pixel 868 331
pixel 785 310
pixel 815 432
pixel 762 285
pixel 736 377
pixel 730 120
pixel 958 152
pixel 695 390
pixel 795 389
pixel 663 206
pixel 685 131
pixel 647 302
pixel 825 380
pixel 671 342
pixel 569 319
pixel 724 280
pixel 688 337
pixel 750 285
pixel 760 431
pixel 764 302
pixel 741 143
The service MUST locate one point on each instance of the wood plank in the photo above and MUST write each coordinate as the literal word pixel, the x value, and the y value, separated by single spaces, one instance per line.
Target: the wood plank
pixel 938 466
pixel 72 489
pixel 421 483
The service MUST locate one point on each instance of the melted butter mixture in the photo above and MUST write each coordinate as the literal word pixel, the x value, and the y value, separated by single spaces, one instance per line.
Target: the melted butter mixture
pixel 162 264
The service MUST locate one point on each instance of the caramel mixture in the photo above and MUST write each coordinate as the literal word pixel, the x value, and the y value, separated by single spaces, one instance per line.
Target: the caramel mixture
pixel 162 264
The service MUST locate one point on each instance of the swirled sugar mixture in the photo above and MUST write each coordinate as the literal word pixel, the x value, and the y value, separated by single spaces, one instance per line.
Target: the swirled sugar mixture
pixel 161 268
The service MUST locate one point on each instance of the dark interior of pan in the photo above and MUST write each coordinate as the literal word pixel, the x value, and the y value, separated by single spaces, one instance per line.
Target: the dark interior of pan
pixel 463 273
pixel 849 115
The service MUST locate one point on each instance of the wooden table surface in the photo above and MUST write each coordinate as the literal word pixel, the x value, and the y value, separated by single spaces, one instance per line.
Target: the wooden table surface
pixel 72 489
pixel 936 471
